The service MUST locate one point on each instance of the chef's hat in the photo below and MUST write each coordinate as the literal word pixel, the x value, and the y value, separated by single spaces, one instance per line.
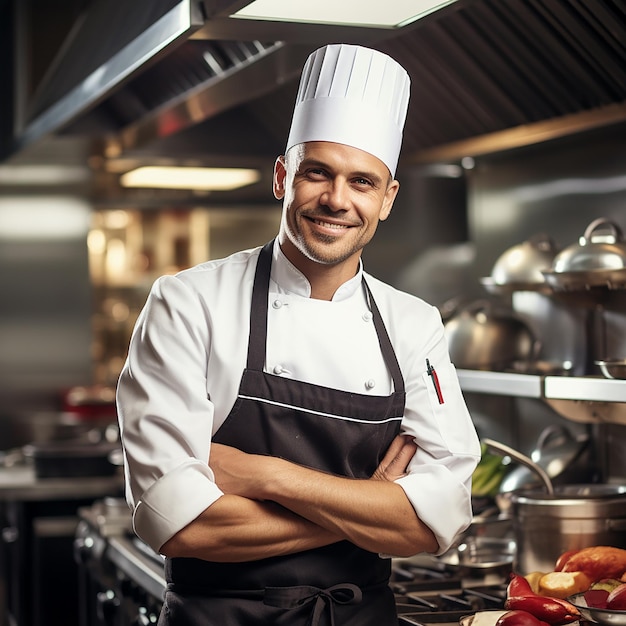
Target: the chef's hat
pixel 354 96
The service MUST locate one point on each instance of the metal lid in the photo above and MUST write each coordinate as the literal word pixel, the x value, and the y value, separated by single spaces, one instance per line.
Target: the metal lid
pixel 522 264
pixel 602 247
pixel 584 501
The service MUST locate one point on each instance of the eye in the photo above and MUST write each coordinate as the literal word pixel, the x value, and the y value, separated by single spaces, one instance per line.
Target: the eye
pixel 363 182
pixel 316 173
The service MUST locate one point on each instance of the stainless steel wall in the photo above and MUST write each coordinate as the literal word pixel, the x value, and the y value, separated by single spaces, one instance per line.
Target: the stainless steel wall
pixel 45 305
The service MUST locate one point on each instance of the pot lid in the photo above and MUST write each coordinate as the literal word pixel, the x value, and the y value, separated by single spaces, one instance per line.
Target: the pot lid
pixel 520 267
pixel 601 494
pixel 602 247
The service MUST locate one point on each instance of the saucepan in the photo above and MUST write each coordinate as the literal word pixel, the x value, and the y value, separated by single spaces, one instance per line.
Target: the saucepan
pixel 477 556
pixel 489 336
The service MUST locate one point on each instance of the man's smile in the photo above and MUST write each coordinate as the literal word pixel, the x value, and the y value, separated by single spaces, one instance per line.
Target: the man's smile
pixel 329 224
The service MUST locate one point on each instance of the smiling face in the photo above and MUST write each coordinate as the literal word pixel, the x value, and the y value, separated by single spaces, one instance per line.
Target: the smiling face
pixel 333 199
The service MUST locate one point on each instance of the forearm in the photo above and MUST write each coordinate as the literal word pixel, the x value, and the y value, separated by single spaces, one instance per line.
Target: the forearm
pixel 236 529
pixel 374 514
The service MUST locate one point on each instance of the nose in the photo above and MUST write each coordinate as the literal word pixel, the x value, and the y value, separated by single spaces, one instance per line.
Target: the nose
pixel 335 196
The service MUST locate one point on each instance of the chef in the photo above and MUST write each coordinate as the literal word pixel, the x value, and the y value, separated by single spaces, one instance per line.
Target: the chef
pixel 289 422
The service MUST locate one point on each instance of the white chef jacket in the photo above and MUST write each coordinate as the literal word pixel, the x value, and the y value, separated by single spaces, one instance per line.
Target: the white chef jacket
pixel 188 352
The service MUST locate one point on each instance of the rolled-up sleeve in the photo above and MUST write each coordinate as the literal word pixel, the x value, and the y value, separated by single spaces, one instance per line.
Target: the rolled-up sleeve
pixel 438 481
pixel 165 414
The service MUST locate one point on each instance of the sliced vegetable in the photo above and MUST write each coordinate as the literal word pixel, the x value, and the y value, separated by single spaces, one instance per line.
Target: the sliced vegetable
pixel 617 599
pixel 596 598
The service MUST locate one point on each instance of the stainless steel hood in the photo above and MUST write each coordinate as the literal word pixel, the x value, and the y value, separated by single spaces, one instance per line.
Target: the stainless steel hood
pixel 176 78
pixel 106 47
pixel 134 72
pixel 128 64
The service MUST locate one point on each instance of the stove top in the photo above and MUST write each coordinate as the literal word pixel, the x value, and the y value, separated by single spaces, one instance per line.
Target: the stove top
pixel 108 517
pixel 427 591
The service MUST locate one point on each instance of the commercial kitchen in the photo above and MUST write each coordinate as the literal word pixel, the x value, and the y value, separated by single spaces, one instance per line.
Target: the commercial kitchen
pixel 511 219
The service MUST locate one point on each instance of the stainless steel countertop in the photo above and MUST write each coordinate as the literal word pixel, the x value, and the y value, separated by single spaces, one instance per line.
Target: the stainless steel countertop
pixel 145 571
pixel 20 483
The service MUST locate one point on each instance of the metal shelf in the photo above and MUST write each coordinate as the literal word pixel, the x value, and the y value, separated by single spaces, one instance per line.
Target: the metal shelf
pixel 584 388
pixel 501 383
pixel 589 388
pixel 585 399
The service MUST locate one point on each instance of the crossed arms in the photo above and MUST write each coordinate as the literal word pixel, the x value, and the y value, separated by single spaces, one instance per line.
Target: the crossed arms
pixel 273 507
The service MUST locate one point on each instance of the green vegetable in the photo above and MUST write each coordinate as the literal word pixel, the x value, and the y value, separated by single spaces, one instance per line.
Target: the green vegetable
pixel 488 474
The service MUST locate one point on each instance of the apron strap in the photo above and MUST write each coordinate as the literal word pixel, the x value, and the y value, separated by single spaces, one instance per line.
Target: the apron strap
pixel 385 343
pixel 258 309
pixel 258 321
pixel 288 598
pixel 296 597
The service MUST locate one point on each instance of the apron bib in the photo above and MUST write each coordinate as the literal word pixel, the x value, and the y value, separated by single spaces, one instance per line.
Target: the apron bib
pixel 331 430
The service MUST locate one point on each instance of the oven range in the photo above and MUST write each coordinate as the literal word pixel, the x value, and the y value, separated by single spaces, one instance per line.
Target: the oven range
pixel 121 578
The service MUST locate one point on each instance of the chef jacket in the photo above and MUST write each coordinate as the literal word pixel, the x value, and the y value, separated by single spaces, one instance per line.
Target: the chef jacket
pixel 188 351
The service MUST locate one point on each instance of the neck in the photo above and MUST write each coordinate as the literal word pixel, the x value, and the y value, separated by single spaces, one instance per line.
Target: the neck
pixel 323 279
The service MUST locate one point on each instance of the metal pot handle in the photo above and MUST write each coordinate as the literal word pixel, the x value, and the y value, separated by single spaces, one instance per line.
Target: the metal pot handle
pixel 552 433
pixel 524 460
pixel 596 224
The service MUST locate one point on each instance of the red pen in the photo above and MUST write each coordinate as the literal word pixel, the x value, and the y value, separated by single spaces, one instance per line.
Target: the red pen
pixel 433 374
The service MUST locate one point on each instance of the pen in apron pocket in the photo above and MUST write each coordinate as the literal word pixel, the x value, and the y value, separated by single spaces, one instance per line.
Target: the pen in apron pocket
pixel 433 375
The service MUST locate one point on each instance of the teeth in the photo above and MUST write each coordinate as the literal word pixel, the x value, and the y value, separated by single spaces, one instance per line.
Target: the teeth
pixel 328 225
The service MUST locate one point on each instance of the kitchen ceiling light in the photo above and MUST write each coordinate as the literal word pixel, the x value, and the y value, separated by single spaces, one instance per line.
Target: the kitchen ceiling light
pixel 18 175
pixel 347 12
pixel 200 178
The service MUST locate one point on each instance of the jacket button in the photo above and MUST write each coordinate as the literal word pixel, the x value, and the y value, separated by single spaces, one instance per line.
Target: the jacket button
pixel 367 316
pixel 278 369
pixel 277 304
pixel 370 384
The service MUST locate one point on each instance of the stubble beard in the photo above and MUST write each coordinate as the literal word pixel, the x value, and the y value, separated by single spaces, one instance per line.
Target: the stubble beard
pixel 322 249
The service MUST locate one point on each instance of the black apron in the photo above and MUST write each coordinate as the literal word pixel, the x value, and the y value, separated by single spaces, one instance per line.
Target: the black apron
pixel 331 430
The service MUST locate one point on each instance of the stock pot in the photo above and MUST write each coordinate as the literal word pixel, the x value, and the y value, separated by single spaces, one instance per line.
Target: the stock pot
pixel 574 517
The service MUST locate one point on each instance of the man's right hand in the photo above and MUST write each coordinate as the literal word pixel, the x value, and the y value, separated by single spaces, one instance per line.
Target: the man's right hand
pixel 396 460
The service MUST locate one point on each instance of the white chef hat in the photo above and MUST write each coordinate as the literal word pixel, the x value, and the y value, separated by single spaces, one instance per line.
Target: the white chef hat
pixel 355 96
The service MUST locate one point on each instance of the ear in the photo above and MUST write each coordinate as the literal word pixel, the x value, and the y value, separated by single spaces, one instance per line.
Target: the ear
pixel 390 196
pixel 280 174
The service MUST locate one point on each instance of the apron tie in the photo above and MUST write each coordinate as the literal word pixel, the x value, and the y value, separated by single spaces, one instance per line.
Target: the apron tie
pixel 295 597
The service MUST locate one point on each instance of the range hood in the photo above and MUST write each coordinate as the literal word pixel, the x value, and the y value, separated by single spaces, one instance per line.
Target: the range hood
pixel 169 77
pixel 136 72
